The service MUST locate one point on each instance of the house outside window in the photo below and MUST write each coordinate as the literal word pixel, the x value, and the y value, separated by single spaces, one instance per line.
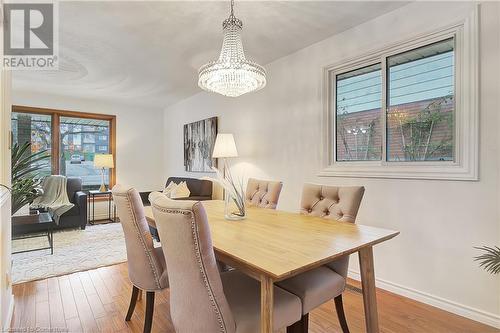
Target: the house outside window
pixel 406 111
pixel 91 131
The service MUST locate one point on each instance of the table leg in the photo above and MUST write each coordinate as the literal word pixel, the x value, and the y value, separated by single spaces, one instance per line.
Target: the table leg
pixel 368 285
pixel 91 204
pixel 51 240
pixel 109 207
pixel 88 208
pixel 266 304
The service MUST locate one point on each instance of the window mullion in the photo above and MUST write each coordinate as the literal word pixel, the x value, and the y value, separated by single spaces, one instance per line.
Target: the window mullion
pixel 383 115
pixel 55 143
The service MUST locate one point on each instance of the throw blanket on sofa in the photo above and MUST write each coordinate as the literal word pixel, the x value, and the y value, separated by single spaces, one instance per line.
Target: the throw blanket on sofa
pixel 54 198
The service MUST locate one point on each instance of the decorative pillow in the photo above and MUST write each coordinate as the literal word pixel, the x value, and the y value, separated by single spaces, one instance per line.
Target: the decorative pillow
pixel 170 187
pixel 180 191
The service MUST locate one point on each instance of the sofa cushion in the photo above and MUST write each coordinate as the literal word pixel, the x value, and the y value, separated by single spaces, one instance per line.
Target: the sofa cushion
pixel 197 187
pixel 169 188
pixel 180 191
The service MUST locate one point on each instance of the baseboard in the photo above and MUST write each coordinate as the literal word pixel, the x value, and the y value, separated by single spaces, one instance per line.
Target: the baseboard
pixel 10 313
pixel 481 316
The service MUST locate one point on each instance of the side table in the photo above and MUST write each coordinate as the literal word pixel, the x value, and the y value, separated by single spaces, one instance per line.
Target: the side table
pixel 91 210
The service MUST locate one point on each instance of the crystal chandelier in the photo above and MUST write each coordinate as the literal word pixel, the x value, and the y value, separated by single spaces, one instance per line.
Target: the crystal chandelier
pixel 232 74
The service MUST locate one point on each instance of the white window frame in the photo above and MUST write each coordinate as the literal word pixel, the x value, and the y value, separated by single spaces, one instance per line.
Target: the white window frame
pixel 466 142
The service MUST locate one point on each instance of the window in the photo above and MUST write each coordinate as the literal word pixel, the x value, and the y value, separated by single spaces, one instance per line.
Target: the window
pixel 419 110
pixel 421 104
pixel 407 111
pixel 359 132
pixel 72 139
pixel 34 128
pixel 76 159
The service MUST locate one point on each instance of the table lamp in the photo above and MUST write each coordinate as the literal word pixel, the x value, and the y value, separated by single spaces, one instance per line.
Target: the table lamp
pixel 224 147
pixel 103 161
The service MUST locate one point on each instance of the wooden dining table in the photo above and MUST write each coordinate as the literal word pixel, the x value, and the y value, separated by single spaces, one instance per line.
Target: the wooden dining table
pixel 273 245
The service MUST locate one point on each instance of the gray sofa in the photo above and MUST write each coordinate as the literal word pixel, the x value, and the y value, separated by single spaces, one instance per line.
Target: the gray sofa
pixel 200 190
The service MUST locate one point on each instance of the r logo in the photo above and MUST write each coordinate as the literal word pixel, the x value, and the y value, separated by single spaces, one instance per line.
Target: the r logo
pixel 29 29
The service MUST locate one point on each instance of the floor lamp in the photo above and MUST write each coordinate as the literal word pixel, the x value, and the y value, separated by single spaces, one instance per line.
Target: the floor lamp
pixel 224 148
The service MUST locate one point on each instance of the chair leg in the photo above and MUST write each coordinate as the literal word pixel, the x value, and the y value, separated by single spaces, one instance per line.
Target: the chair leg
pixel 150 304
pixel 339 306
pixel 302 326
pixel 133 301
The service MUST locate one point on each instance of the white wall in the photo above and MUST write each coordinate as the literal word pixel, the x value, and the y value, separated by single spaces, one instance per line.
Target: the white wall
pixel 139 137
pixel 278 134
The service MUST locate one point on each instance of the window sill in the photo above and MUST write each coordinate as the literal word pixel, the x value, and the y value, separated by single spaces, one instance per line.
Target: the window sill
pixel 449 171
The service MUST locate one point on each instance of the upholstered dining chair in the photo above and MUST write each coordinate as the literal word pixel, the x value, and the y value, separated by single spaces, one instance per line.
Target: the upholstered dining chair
pixel 202 300
pixel 263 193
pixel 146 264
pixel 328 282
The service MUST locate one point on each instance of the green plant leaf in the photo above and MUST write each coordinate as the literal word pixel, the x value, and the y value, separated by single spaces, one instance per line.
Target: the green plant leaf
pixel 490 259
pixel 26 178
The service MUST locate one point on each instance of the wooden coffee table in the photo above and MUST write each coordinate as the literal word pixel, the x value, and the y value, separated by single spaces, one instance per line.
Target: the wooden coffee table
pixel 23 228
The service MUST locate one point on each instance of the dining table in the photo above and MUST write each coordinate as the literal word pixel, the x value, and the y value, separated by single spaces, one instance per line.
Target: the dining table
pixel 272 245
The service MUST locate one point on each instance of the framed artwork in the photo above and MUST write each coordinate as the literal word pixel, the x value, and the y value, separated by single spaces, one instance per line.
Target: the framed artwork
pixel 199 141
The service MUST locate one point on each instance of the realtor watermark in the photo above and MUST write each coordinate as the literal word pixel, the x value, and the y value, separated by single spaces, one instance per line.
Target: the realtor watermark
pixel 30 36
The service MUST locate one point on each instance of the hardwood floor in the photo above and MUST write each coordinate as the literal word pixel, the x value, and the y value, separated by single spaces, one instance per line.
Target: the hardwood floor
pixel 97 301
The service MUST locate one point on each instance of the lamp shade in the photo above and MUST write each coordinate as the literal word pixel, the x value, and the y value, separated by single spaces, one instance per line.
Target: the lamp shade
pixel 104 161
pixel 224 146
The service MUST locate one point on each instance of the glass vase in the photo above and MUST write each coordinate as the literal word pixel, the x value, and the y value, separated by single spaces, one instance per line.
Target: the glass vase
pixel 232 210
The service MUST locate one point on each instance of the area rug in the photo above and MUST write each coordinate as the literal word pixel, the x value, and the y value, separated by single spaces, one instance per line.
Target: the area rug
pixel 74 251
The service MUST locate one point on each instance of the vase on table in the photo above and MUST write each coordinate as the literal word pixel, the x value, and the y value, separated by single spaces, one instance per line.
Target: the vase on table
pixel 234 207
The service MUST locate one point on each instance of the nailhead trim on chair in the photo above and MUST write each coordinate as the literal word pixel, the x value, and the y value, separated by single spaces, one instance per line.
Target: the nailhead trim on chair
pixel 201 265
pixel 141 239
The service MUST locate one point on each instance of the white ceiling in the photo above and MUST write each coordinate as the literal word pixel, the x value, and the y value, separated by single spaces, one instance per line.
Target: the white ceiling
pixel 148 53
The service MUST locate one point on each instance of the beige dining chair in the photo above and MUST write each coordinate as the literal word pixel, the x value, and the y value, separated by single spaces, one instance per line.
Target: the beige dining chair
pixel 202 300
pixel 328 282
pixel 263 193
pixel 146 264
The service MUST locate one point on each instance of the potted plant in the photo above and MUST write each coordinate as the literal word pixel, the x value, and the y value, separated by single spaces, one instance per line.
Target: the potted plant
pixel 26 178
pixel 490 259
